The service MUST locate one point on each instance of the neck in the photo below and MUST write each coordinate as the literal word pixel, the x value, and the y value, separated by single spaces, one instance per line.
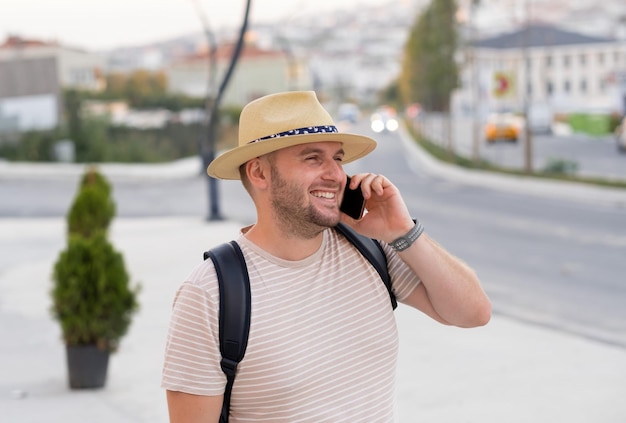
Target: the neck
pixel 279 243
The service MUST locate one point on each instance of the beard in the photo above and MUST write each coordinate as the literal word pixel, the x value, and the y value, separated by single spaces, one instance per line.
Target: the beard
pixel 297 215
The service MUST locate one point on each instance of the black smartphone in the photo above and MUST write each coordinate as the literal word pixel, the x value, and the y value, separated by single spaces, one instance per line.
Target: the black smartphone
pixel 353 203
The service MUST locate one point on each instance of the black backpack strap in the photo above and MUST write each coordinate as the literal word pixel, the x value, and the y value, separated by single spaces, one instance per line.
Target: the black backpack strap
pixel 234 314
pixel 373 252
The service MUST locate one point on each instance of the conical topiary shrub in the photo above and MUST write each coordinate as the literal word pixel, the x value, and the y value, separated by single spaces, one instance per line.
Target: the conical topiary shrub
pixel 93 207
pixel 92 298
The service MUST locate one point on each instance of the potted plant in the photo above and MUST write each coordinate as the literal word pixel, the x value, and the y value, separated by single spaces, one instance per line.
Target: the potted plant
pixel 92 298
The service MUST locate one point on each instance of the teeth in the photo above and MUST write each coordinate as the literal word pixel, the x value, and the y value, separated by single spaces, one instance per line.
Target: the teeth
pixel 324 194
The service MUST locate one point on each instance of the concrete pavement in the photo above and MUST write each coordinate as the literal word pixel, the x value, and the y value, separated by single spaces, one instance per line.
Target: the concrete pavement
pixel 505 372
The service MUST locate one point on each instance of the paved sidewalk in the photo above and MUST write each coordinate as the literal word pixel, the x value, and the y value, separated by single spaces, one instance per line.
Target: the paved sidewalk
pixel 504 372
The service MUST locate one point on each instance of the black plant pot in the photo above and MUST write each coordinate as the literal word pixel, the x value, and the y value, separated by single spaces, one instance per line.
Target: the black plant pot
pixel 87 366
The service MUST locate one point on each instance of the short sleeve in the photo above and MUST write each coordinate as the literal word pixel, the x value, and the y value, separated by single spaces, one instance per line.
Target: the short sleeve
pixel 192 356
pixel 403 279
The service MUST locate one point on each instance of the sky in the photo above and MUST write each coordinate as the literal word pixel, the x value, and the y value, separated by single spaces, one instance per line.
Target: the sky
pixel 106 24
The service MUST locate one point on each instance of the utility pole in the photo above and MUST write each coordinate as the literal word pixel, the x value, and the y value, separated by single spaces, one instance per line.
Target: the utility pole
pixel 528 144
pixel 212 105
pixel 475 83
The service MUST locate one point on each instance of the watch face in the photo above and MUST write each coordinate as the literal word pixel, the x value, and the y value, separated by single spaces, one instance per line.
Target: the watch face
pixel 400 243
pixel 404 242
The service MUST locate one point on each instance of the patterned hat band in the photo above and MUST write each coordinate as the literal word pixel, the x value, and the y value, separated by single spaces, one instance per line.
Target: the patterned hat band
pixel 301 131
pixel 276 114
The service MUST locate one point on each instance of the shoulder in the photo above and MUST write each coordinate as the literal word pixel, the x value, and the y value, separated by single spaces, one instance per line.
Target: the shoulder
pixel 200 284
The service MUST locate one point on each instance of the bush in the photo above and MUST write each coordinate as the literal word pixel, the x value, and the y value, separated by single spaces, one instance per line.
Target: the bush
pixel 92 177
pixel 93 207
pixel 557 166
pixel 92 299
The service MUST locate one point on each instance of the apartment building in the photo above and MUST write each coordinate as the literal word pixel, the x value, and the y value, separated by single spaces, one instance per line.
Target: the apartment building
pixel 546 65
pixel 258 72
pixel 32 76
pixel 75 68
pixel 29 95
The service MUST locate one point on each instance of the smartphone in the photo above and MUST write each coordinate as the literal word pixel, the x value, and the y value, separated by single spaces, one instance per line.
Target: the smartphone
pixel 353 203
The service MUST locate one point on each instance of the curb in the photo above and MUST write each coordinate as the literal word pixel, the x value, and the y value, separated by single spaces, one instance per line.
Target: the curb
pixel 554 189
pixel 190 167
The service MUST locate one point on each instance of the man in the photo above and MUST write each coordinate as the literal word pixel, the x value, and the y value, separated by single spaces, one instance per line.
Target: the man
pixel 323 340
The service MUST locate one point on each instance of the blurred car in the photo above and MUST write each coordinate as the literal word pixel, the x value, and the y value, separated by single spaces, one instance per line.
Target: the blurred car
pixel 540 118
pixel 384 119
pixel 502 126
pixel 348 112
pixel 620 136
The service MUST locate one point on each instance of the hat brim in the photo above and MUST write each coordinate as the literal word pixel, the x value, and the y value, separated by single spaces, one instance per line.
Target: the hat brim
pixel 226 166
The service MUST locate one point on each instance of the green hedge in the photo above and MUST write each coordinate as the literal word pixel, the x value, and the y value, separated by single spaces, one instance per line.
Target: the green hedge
pixel 592 124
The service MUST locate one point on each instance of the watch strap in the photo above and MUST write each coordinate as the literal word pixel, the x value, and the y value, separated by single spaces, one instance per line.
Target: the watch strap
pixel 405 241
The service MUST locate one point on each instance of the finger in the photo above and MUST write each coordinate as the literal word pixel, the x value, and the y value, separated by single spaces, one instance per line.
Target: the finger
pixel 378 184
pixel 375 183
pixel 369 182
pixel 366 184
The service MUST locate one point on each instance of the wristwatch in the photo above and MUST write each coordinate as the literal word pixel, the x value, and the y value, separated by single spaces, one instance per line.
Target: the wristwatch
pixel 404 242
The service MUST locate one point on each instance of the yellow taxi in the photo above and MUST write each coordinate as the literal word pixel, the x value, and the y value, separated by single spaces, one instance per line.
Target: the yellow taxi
pixel 502 126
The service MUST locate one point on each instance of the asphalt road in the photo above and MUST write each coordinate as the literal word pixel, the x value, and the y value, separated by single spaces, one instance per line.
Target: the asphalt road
pixel 549 261
pixel 545 260
pixel 591 155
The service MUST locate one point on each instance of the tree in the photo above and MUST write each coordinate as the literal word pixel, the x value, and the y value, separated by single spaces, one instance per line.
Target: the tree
pixel 143 85
pixel 87 134
pixel 116 85
pixel 429 72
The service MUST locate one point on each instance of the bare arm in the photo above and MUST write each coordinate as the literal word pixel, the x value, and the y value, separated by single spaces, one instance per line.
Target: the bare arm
pixel 450 292
pixel 188 408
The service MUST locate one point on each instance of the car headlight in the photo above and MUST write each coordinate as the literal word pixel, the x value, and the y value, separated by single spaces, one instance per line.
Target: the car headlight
pixel 378 125
pixel 391 125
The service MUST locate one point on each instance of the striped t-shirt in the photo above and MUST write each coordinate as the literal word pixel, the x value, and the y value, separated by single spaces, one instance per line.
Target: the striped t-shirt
pixel 323 340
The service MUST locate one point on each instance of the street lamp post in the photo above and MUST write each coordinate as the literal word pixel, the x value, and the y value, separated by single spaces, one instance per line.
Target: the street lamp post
pixel 212 105
pixel 207 150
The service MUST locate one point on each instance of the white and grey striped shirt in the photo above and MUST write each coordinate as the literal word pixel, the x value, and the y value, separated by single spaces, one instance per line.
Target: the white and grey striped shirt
pixel 323 340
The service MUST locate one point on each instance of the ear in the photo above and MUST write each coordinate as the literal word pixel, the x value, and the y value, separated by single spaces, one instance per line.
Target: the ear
pixel 258 171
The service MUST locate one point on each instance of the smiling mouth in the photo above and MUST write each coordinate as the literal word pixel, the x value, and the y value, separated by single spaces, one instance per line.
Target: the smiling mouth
pixel 324 194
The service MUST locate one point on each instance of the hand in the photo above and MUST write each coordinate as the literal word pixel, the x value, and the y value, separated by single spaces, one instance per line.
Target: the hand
pixel 387 216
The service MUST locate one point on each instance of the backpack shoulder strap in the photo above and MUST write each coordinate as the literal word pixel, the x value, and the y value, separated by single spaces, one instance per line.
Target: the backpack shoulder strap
pixel 373 252
pixel 234 313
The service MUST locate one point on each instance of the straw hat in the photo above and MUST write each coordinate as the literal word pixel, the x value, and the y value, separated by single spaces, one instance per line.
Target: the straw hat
pixel 283 120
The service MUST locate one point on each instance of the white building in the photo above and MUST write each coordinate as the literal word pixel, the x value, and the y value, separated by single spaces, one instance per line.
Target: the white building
pixel 258 72
pixel 30 95
pixel 75 68
pixel 542 64
pixel 32 76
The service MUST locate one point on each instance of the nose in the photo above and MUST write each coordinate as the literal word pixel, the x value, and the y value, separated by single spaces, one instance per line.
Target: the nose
pixel 334 171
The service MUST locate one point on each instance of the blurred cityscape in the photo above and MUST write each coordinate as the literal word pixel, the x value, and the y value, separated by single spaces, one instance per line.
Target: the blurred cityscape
pixel 562 57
